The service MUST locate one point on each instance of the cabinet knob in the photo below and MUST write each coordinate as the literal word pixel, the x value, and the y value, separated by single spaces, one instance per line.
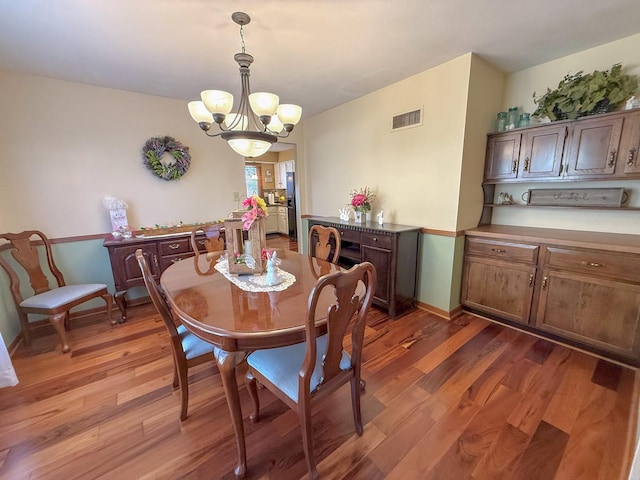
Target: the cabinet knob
pixel 593 264
pixel 632 154
pixel 545 280
pixel 375 239
pixel 174 246
pixel 612 157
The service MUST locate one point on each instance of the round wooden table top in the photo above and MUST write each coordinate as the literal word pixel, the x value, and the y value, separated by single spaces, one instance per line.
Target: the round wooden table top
pixel 218 311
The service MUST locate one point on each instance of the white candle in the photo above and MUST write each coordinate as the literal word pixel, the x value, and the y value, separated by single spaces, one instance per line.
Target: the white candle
pixel 247 247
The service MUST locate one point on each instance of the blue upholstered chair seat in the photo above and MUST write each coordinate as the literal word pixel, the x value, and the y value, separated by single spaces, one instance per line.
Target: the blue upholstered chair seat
pixel 57 297
pixel 193 346
pixel 282 365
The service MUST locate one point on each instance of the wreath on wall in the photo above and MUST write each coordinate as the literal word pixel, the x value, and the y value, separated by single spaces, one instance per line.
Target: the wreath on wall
pixel 153 151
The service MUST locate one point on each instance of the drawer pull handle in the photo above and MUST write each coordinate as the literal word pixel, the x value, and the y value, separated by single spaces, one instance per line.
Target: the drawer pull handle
pixel 593 264
pixel 375 239
pixel 200 242
pixel 514 168
pixel 612 158
pixel 632 154
pixel 175 260
pixel 526 164
pixel 545 280
pixel 155 261
pixel 174 246
pixel 531 279
pixel 498 250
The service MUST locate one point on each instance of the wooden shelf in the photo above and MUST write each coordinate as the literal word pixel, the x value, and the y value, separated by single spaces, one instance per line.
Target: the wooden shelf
pixel 573 207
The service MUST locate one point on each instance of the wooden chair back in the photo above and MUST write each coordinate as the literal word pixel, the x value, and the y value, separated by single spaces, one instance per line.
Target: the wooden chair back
pixel 322 248
pixel 354 290
pixel 159 301
pixel 24 250
pixel 213 244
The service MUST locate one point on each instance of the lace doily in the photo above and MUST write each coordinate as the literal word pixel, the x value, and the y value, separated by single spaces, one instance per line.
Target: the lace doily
pixel 256 283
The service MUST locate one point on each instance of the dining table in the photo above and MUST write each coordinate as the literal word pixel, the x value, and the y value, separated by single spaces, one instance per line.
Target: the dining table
pixel 239 314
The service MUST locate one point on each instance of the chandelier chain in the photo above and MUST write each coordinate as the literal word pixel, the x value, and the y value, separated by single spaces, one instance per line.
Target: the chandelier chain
pixel 242 38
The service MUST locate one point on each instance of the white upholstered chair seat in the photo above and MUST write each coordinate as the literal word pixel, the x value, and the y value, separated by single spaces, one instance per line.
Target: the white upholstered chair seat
pixel 57 297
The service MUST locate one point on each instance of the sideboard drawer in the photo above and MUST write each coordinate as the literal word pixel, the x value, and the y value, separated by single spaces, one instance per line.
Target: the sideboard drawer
pixel 376 240
pixel 348 235
pixel 596 262
pixel 520 252
pixel 167 261
pixel 174 247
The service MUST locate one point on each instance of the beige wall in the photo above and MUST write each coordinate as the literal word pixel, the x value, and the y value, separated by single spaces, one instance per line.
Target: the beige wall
pixel 65 146
pixel 415 172
pixel 519 88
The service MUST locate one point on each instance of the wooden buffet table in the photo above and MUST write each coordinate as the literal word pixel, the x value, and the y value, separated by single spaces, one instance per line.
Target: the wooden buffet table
pixel 239 321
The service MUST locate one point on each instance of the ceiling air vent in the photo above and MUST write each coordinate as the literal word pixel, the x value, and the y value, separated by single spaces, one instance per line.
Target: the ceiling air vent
pixel 407 120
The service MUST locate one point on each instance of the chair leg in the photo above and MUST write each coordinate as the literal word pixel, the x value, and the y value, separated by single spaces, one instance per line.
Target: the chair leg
pixel 109 299
pixel 251 384
pixel 26 331
pixel 184 391
pixel 58 322
pixel 304 412
pixel 356 388
pixel 176 379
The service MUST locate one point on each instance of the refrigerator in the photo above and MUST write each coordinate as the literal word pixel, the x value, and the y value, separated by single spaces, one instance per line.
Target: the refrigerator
pixel 291 205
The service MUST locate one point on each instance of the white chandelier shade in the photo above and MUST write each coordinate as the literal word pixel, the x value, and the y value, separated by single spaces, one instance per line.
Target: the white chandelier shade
pixel 259 119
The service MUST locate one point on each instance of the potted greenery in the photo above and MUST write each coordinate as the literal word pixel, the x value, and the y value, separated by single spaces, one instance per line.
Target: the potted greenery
pixel 578 95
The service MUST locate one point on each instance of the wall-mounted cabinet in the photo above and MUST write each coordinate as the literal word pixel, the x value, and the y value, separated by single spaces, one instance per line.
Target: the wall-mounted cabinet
pixel 601 147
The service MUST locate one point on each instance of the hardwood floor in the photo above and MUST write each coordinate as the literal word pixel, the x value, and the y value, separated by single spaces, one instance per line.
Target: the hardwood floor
pixel 461 399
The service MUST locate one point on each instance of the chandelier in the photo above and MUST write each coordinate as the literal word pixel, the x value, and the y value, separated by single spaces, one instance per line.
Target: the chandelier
pixel 259 120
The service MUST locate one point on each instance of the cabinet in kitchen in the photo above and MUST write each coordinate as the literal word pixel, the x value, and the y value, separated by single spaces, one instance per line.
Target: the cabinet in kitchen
pixel 271 222
pixel 283 220
pixel 160 253
pixel 392 249
pixel 290 166
pixel 281 175
pixel 579 287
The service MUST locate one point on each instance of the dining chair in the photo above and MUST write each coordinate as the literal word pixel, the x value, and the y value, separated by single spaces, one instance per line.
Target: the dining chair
pixel 322 247
pixel 188 350
pixel 306 373
pixel 213 244
pixel 52 301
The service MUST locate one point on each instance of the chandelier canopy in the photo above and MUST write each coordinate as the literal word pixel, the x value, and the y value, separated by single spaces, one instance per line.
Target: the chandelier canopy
pixel 260 118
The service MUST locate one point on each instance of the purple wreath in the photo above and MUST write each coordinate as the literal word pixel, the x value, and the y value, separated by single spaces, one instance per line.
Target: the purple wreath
pixel 153 150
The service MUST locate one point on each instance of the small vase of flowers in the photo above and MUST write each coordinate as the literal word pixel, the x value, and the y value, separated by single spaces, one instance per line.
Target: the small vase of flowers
pixel 361 203
pixel 256 208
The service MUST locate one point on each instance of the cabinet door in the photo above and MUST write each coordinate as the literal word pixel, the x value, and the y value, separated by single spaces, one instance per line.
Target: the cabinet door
pixel 597 311
pixel 290 166
pixel 283 222
pixel 594 148
pixel 125 265
pixel 630 153
pixel 271 223
pixel 542 150
pixel 503 151
pixel 381 259
pixel 501 288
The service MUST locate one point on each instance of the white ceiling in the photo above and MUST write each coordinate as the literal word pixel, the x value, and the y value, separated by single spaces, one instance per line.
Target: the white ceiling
pixel 316 53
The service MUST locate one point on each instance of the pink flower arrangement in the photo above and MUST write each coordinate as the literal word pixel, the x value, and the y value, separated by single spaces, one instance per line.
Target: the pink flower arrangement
pixel 361 199
pixel 256 208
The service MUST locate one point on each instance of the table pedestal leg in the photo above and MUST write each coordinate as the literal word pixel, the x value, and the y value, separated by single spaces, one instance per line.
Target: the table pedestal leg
pixel 227 362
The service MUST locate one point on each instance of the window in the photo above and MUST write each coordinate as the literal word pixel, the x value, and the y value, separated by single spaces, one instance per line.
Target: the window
pixel 252 179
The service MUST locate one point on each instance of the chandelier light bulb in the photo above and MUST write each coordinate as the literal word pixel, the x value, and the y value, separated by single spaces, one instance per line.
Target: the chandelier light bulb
pixel 275 125
pixel 248 147
pixel 264 103
pixel 289 113
pixel 217 101
pixel 235 121
pixel 199 112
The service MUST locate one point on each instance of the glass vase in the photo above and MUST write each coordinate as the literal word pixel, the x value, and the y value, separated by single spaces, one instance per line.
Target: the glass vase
pixel 360 217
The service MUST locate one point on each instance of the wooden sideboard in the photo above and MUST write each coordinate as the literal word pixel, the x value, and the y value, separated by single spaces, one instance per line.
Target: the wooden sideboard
pixel 579 287
pixel 160 252
pixel 392 249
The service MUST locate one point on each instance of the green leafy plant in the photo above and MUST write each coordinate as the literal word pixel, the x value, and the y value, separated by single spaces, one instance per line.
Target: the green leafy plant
pixel 579 95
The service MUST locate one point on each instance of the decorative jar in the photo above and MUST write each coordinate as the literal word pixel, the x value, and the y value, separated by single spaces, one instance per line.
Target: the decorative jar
pixel 512 118
pixel 501 122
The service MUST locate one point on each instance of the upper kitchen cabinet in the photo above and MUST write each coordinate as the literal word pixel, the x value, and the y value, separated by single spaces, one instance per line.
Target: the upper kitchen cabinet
pixel 541 152
pixel 281 175
pixel 594 146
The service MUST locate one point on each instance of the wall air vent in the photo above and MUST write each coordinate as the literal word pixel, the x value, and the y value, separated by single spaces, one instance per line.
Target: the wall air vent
pixel 407 120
